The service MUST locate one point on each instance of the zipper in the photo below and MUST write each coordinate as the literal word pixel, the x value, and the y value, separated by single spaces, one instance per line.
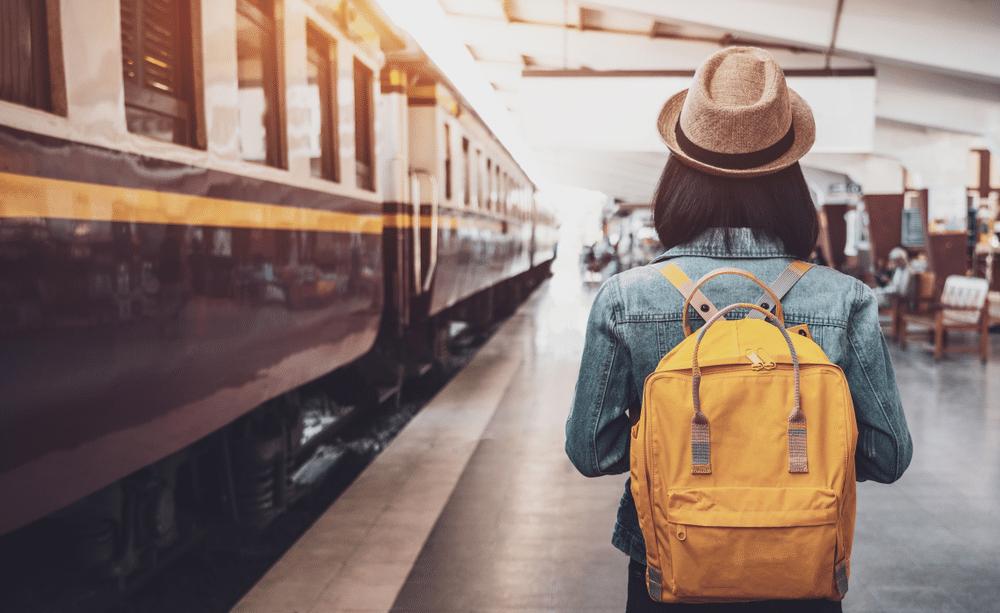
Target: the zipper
pixel 723 368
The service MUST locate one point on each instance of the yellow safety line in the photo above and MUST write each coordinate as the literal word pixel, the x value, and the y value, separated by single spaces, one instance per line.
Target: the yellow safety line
pixel 38 197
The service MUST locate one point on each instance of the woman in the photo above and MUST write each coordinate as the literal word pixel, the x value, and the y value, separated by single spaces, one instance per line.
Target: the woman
pixel 732 195
pixel 898 279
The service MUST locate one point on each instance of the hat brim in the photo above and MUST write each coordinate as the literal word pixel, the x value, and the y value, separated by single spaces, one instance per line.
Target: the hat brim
pixel 802 119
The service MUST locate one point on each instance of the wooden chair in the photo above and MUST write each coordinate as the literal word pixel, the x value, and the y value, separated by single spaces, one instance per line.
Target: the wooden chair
pixel 963 306
pixel 890 317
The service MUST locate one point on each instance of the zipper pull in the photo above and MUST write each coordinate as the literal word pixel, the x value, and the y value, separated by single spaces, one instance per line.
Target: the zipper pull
pixel 768 362
pixel 759 363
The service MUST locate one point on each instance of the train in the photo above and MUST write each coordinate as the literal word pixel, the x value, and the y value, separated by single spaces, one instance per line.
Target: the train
pixel 206 208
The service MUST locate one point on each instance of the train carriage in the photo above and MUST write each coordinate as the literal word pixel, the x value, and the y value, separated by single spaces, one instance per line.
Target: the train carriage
pixel 463 209
pixel 163 266
pixel 204 207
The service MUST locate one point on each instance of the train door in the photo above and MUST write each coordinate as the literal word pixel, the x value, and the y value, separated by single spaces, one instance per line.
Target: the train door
pixel 425 211
pixel 399 218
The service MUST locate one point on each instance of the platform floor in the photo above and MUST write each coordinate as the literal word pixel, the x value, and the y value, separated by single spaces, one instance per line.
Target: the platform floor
pixel 474 507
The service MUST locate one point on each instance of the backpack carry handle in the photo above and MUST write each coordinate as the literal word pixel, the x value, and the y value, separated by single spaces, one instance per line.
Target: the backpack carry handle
pixel 731 271
pixel 700 441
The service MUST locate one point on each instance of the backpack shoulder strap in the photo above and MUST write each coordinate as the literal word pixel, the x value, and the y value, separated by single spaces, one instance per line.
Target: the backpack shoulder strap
pixel 788 277
pixel 785 281
pixel 702 305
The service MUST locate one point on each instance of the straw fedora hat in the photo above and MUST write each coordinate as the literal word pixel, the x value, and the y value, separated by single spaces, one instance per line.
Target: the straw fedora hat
pixel 739 118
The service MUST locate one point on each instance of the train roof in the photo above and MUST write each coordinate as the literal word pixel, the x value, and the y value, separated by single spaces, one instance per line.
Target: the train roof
pixel 412 59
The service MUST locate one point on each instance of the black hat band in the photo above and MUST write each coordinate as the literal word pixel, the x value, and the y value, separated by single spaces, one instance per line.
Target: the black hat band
pixel 735 161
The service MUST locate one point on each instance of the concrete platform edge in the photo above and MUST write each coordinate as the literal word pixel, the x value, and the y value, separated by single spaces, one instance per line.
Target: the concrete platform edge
pixel 357 556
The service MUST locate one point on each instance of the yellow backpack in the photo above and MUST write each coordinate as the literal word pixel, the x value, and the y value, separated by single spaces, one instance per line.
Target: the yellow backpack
pixel 742 461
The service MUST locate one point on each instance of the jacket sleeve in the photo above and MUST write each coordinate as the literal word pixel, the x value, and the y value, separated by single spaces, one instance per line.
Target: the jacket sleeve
pixel 597 430
pixel 884 444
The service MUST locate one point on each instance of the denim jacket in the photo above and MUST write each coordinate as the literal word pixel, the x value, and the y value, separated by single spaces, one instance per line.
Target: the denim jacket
pixel 636 319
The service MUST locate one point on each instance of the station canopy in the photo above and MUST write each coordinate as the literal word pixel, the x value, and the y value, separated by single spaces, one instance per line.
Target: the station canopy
pixel 584 81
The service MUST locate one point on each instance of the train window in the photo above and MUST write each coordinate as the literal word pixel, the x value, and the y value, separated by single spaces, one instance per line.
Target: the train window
pixel 24 54
pixel 363 124
pixel 158 69
pixel 488 186
pixel 495 188
pixel 503 193
pixel 258 85
pixel 498 187
pixel 515 195
pixel 447 162
pixel 467 171
pixel 506 192
pixel 321 92
pixel 508 202
pixel 480 200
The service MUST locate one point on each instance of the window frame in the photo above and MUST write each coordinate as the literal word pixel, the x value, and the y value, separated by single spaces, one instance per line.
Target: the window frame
pixel 145 91
pixel 325 49
pixel 468 170
pixel 46 78
pixel 488 185
pixel 480 183
pixel 447 162
pixel 504 191
pixel 364 124
pixel 263 13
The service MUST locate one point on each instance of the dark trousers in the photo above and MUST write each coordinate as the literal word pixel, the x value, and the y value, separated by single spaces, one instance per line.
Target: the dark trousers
pixel 640 602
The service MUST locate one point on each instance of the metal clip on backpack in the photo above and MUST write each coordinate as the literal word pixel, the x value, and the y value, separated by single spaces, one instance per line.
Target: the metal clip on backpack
pixel 742 464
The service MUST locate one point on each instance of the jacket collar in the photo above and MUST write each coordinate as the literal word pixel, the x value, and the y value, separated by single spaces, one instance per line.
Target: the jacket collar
pixel 742 244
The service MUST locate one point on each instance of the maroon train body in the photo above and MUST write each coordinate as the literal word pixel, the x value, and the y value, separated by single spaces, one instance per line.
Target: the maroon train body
pixel 173 283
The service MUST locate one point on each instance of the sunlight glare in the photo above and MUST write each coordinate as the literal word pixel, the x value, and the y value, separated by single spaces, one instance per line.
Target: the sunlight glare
pixel 427 23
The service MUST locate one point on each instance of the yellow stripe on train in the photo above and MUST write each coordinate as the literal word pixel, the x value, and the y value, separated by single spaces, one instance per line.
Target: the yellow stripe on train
pixel 446 222
pixel 37 197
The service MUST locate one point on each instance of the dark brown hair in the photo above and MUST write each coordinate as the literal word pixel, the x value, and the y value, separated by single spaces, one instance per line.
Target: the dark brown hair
pixel 687 202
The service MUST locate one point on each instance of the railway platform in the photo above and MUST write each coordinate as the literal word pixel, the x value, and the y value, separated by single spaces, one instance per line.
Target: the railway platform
pixel 474 506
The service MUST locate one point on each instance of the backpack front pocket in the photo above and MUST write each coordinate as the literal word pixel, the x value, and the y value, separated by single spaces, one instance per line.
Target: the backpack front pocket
pixel 746 543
